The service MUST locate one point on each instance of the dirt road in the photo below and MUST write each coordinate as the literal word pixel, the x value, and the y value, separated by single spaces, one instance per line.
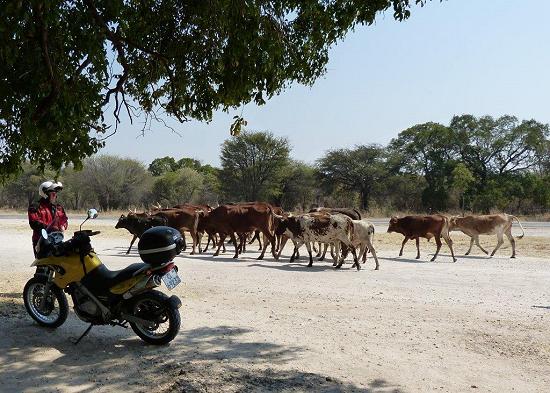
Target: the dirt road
pixel 479 325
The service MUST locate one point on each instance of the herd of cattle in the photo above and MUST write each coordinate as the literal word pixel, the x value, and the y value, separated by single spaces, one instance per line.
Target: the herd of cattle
pixel 343 230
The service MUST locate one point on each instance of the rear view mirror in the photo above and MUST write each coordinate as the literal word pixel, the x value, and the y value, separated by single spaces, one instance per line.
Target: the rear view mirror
pixel 92 213
pixel 44 234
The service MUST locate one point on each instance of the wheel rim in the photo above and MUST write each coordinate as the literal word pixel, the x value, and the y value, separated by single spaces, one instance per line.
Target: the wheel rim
pixel 51 310
pixel 153 310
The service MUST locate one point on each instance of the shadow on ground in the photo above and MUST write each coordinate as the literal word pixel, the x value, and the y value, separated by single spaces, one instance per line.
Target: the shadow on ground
pixel 221 358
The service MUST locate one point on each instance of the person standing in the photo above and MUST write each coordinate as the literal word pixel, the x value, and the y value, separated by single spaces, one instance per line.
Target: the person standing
pixel 47 213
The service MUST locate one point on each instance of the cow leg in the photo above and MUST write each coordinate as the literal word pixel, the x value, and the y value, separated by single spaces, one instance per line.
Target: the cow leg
pixel 479 245
pixel 318 251
pixel 332 255
pixel 131 244
pixel 403 245
pixel 512 242
pixel 199 241
pixel 325 247
pixel 293 253
pixel 372 250
pixel 220 244
pixel 350 248
pixel 195 241
pixel 308 246
pixel 184 242
pixel 449 242
pixel 500 242
pixel 260 241
pixel 242 241
pixel 271 239
pixel 234 241
pixel 208 240
pixel 253 237
pixel 417 248
pixel 364 253
pixel 297 250
pixel 471 245
pixel 438 243
pixel 339 260
pixel 284 239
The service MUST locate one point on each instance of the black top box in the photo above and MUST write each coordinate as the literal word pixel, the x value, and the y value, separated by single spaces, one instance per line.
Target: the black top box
pixel 159 245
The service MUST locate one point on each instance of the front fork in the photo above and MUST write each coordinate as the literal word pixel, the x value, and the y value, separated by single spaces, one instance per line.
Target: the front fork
pixel 45 271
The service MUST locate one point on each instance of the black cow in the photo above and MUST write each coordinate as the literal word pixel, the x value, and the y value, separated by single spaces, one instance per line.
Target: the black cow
pixel 137 223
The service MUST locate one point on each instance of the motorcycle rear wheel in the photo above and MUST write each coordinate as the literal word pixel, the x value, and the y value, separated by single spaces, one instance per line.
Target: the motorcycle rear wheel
pixel 54 311
pixel 154 306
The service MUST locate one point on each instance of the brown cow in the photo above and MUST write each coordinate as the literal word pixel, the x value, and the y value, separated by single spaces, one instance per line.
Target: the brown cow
pixel 491 224
pixel 414 227
pixel 183 219
pixel 230 219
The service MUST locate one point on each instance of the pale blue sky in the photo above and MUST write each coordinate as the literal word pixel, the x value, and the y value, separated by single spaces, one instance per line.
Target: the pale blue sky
pixel 482 57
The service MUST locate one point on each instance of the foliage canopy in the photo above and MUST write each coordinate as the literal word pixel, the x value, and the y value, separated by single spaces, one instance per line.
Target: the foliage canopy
pixel 64 63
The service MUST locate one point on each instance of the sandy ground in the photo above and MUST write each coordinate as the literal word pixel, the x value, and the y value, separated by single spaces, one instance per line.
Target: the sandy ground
pixel 479 325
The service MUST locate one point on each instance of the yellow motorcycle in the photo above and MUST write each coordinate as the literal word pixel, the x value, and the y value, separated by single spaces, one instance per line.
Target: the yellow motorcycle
pixel 101 296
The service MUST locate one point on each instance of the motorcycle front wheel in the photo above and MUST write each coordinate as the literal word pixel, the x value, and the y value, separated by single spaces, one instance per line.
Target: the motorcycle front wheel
pixel 49 309
pixel 154 306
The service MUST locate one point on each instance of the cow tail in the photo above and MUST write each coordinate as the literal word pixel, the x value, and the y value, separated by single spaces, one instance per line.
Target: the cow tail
pixel 522 231
pixel 351 231
pixel 445 229
pixel 271 221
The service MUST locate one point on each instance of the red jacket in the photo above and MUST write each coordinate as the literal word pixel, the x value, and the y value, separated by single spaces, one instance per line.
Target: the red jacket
pixel 41 216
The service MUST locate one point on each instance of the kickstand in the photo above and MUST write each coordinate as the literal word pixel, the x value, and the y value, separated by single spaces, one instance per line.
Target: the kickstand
pixel 84 334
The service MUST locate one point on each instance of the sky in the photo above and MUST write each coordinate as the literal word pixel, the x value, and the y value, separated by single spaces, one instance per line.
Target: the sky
pixel 480 57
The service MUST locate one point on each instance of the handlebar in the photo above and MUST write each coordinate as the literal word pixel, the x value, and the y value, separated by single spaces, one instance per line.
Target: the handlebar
pixel 88 232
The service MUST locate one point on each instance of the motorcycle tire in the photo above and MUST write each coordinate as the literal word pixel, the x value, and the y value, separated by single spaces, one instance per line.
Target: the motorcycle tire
pixel 154 305
pixel 45 315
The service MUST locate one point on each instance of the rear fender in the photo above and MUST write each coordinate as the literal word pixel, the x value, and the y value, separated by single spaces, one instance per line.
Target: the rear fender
pixel 174 301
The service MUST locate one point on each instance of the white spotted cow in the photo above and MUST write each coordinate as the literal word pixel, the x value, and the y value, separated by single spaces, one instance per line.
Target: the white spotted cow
pixel 324 228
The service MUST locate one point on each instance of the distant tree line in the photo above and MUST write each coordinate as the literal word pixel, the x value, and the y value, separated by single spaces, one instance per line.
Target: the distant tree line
pixel 473 164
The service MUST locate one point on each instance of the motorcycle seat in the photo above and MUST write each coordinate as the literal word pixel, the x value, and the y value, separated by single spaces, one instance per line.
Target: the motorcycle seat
pixel 101 279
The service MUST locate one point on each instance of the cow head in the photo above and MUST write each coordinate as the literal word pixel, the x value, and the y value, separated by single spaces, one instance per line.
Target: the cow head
pixel 453 223
pixel 281 226
pixel 121 221
pixel 394 224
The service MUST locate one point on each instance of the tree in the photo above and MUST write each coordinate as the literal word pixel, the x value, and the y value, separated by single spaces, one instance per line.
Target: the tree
pixel 63 64
pixel 252 166
pixel 299 186
pixel 356 170
pixel 115 182
pixel 160 166
pixel 23 189
pixel 462 178
pixel 181 186
pixel 427 149
pixel 493 147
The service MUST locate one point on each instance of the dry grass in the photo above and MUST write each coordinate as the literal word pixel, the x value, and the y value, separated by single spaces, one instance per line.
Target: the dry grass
pixel 531 246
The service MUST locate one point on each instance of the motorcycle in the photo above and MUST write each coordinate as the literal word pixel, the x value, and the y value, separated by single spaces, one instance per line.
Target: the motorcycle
pixel 101 296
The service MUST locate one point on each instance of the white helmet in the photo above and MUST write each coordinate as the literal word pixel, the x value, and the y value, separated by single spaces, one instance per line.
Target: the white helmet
pixel 49 185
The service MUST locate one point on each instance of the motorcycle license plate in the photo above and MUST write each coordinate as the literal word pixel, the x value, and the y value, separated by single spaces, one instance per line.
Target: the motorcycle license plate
pixel 171 279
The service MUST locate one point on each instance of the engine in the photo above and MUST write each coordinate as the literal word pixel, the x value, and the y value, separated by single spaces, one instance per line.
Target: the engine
pixel 84 307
